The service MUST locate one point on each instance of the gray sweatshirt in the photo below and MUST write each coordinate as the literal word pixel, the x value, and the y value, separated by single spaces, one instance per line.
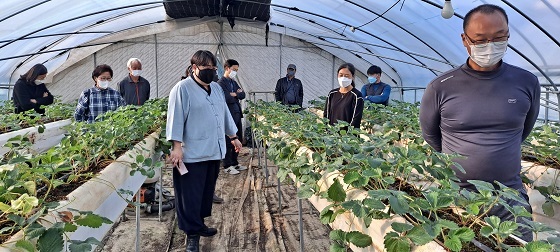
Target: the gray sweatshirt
pixel 483 116
pixel 199 120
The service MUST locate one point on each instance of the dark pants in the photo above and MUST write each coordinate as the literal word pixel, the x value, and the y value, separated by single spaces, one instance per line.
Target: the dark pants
pixel 231 155
pixel 194 192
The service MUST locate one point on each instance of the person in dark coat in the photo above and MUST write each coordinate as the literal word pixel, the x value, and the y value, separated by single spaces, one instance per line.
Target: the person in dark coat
pixel 233 94
pixel 289 90
pixel 30 92
pixel 345 103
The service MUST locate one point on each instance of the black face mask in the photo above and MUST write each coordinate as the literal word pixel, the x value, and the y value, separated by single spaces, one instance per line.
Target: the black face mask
pixel 206 75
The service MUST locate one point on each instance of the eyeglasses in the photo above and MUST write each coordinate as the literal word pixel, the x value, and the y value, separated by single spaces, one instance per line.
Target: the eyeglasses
pixel 484 42
pixel 105 79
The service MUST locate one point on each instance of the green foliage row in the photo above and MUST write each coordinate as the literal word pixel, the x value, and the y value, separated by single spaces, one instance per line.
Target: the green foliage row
pixel 27 181
pixel 402 175
pixel 10 121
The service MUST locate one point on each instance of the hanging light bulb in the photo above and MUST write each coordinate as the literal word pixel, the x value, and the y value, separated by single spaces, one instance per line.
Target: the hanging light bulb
pixel 447 11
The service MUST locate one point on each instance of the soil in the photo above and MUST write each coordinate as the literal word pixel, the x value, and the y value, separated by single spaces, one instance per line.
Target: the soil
pixel 248 220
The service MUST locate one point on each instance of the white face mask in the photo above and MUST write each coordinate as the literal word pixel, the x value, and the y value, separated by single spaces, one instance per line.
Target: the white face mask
pixel 232 74
pixel 103 84
pixel 344 82
pixel 488 55
pixel 38 82
pixel 136 73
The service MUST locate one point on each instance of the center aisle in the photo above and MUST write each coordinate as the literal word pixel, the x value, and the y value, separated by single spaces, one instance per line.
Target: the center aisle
pixel 248 220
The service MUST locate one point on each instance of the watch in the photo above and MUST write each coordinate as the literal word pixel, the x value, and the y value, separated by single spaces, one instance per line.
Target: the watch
pixel 233 138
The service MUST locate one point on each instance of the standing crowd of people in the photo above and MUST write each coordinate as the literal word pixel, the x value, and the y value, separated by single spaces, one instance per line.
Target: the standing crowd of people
pixel 482 110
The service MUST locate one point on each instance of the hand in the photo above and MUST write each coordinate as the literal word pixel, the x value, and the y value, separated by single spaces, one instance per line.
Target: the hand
pixel 234 94
pixel 45 94
pixel 176 156
pixel 33 101
pixel 239 90
pixel 237 145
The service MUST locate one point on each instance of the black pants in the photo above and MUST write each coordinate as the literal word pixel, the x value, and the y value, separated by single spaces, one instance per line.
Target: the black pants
pixel 231 155
pixel 194 192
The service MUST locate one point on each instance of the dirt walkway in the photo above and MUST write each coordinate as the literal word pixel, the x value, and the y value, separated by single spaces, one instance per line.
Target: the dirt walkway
pixel 248 220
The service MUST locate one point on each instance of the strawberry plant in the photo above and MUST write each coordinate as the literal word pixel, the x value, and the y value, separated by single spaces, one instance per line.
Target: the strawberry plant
pixel 10 121
pixel 29 182
pixel 389 159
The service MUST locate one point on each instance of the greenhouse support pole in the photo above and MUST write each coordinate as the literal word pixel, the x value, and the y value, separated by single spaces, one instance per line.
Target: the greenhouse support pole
pixel 301 242
pixel 265 162
pixel 157 87
pixel 160 193
pixel 138 221
pixel 279 194
pixel 333 70
pixel 546 108
pixel 280 48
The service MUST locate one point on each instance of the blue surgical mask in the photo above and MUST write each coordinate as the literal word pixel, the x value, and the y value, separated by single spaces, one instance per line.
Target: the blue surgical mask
pixel 371 79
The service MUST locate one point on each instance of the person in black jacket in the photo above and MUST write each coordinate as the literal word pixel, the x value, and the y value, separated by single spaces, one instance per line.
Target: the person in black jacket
pixel 345 103
pixel 233 94
pixel 30 92
pixel 289 90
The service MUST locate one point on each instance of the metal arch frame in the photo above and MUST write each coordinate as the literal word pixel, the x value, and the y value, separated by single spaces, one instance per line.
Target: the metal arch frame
pixel 355 53
pixel 404 29
pixel 509 45
pixel 333 31
pixel 365 43
pixel 340 22
pixel 70 33
pixel 57 34
pixel 25 9
pixel 79 17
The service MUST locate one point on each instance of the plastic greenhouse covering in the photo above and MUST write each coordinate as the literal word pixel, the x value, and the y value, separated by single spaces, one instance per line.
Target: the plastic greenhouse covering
pixel 409 39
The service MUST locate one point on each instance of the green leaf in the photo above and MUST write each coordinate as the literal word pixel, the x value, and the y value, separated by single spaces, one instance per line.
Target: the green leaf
pixel 356 207
pixel 548 208
pixel 401 227
pixel 464 234
pixel 359 239
pixel 538 246
pixel 80 247
pixel 351 177
pixel 139 159
pixel 335 247
pixel 41 129
pixel 453 243
pixel 92 220
pixel 51 240
pixel 507 227
pixel 374 204
pixel 305 192
pixel 419 236
pixel 486 231
pixel 4 207
pixel 481 185
pixel 394 243
pixel 34 230
pixel 336 193
pixel 337 235
pixel 70 227
pixel 25 245
pixel 399 205
pixel 327 216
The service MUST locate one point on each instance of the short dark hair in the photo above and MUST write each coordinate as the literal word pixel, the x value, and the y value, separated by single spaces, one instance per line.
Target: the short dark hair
pixel 34 72
pixel 484 9
pixel 230 63
pixel 101 69
pixel 374 70
pixel 203 58
pixel 350 68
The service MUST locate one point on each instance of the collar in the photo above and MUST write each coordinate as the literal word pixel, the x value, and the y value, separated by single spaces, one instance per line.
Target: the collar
pixel 209 91
pixel 132 81
pixel 484 74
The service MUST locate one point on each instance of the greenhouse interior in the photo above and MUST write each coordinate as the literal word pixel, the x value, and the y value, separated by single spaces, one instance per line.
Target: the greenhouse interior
pixel 280 125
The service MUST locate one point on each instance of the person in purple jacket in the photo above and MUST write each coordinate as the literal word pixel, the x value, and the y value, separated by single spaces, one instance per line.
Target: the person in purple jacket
pixel 484 109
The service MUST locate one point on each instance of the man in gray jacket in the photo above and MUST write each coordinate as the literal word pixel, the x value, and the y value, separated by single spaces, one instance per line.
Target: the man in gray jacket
pixel 134 89
pixel 484 109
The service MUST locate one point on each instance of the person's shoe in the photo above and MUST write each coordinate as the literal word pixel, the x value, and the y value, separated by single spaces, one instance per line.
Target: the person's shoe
pixel 241 168
pixel 193 243
pixel 217 200
pixel 231 170
pixel 207 232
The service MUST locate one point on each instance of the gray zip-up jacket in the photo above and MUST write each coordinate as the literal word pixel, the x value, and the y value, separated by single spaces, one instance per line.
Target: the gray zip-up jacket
pixel 199 120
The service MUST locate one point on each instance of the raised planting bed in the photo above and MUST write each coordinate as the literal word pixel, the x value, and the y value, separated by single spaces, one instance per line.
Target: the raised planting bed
pixel 85 181
pixel 40 138
pixel 384 162
pixel 102 194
